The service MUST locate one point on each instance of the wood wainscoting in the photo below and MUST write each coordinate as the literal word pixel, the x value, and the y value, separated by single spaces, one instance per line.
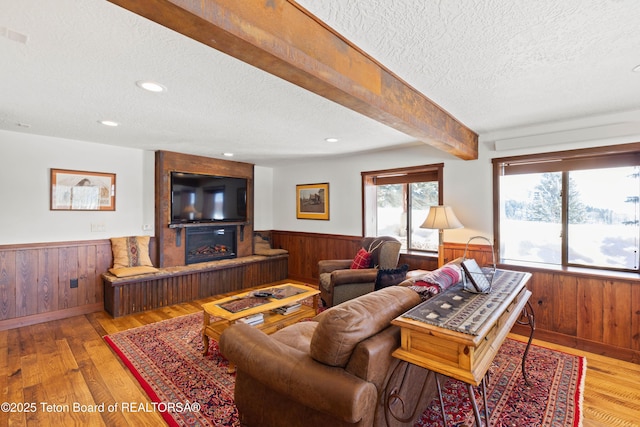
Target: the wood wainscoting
pixel 48 281
pixel 306 249
pixel 585 311
pixel 574 308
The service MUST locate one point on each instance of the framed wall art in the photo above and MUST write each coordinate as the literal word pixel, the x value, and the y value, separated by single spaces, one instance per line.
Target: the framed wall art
pixel 312 201
pixel 82 191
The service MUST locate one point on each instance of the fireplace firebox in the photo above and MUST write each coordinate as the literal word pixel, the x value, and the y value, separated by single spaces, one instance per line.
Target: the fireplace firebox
pixel 209 244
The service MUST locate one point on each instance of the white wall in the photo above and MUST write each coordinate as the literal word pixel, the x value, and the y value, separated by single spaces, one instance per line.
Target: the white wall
pixel 468 185
pixel 262 198
pixel 26 160
pixel 345 186
pixel 25 164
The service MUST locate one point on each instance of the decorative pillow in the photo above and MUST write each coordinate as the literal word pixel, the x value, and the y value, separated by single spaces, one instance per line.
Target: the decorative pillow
pixel 362 260
pixel 391 277
pixel 130 251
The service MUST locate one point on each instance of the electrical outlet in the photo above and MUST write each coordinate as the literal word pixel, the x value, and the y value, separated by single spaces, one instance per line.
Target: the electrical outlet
pixel 147 227
pixel 73 283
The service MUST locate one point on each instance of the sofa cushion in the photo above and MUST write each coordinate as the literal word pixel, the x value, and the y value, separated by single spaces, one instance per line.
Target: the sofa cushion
pixel 297 336
pixel 342 327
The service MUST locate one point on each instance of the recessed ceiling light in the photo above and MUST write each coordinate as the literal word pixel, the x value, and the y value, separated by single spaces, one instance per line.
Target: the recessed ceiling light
pixel 108 123
pixel 227 154
pixel 151 86
pixel 331 139
pixel 636 69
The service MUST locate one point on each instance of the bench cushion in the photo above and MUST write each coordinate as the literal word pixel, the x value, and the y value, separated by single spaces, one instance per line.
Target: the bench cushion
pixel 132 271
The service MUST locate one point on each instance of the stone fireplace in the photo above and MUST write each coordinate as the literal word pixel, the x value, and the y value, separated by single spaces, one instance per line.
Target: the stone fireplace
pixel 209 243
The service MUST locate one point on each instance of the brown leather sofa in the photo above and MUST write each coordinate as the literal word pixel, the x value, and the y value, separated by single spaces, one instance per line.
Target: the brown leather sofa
pixel 335 370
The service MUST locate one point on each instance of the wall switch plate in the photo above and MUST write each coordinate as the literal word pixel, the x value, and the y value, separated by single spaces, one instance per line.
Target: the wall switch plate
pixel 73 283
pixel 98 227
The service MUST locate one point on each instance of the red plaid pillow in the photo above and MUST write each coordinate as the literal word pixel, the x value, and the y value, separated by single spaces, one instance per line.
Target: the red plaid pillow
pixel 362 259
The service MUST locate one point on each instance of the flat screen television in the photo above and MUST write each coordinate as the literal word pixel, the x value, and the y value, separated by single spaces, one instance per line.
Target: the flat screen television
pixel 207 198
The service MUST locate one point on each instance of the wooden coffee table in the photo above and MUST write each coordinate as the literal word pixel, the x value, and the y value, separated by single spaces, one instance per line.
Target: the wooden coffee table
pixel 220 314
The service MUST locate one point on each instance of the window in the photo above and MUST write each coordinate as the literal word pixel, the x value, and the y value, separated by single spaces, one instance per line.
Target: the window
pixel 572 208
pixel 396 203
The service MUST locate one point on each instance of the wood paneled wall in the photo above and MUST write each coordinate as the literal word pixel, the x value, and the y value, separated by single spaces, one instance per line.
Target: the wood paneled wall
pixel 306 249
pixel 581 310
pixel 594 313
pixel 574 308
pixel 35 280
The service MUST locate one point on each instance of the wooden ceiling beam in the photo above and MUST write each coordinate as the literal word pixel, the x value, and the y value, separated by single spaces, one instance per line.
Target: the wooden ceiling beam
pixel 283 39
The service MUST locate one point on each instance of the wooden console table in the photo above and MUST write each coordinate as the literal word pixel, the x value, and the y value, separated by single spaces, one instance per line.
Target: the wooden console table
pixel 457 333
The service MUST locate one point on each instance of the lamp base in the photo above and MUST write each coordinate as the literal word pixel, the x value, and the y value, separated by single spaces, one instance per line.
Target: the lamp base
pixel 440 255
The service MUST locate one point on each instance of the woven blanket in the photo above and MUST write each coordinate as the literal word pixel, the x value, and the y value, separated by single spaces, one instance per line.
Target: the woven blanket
pixel 464 311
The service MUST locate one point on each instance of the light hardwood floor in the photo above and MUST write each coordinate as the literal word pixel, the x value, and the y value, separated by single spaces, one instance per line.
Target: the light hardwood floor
pixel 49 367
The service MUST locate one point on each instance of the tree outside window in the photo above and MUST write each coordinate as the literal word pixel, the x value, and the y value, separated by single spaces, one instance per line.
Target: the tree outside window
pixel 579 209
pixel 397 202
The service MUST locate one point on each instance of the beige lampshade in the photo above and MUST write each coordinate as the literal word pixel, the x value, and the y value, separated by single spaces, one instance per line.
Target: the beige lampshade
pixel 441 218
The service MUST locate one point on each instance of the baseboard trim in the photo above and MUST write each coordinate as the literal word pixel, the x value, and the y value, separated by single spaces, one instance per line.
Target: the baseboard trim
pixel 625 354
pixel 18 322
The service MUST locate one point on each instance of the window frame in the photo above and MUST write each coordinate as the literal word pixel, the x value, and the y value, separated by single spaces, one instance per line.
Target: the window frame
pixel 370 179
pixel 564 162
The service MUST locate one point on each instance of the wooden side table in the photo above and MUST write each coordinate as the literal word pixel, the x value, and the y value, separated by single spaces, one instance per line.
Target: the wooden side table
pixel 457 333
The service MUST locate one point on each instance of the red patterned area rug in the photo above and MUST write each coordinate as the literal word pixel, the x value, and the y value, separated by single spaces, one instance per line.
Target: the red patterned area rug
pixel 190 389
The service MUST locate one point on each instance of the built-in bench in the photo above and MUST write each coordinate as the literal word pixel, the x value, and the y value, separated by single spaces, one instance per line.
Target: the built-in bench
pixel 173 285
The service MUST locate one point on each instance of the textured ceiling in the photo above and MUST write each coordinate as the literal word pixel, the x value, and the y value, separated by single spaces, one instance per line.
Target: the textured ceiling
pixel 494 65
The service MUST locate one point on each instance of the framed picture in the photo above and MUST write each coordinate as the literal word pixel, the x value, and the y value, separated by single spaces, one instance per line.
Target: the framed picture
pixel 82 191
pixel 312 201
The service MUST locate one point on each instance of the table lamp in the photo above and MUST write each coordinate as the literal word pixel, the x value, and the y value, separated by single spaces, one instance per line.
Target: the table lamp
pixel 441 218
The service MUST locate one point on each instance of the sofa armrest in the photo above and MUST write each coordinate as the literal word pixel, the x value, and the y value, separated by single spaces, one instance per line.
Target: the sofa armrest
pixel 329 265
pixel 363 275
pixel 296 375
